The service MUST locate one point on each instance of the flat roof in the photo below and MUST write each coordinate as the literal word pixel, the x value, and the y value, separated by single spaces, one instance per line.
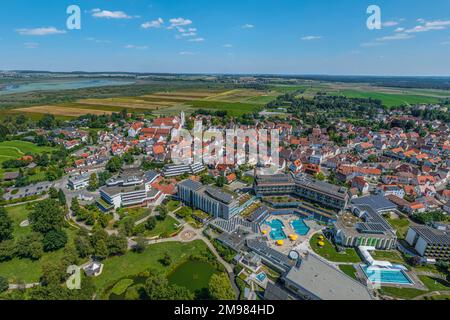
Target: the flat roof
pixel 433 236
pixel 324 281
pixel 377 203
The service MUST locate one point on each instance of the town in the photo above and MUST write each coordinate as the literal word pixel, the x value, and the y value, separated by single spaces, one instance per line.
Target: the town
pixel 355 207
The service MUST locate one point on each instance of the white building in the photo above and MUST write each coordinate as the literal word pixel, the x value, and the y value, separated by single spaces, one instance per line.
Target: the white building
pixel 79 182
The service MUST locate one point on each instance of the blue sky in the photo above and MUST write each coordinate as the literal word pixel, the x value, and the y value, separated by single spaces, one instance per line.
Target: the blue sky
pixel 218 36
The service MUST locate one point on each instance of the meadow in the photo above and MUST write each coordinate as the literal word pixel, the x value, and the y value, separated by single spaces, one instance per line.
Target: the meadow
pixel 11 150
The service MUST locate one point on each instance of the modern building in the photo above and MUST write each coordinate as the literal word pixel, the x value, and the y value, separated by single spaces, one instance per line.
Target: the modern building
pixel 79 182
pixel 173 170
pixel 304 187
pixel 131 188
pixel 431 243
pixel 211 200
pixel 314 279
pixel 366 227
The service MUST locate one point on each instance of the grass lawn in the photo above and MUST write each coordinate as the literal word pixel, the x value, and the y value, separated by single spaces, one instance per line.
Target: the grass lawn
pixel 18 214
pixel 401 293
pixel 10 150
pixel 348 270
pixel 28 270
pixel 329 252
pixel 391 256
pixel 173 205
pixel 131 264
pixel 401 225
pixel 435 284
pixel 168 227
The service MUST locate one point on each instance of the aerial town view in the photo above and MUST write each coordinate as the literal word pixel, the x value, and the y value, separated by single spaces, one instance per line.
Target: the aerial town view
pixel 224 150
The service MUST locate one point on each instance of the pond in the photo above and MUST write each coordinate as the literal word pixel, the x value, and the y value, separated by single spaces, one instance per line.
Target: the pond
pixel 193 275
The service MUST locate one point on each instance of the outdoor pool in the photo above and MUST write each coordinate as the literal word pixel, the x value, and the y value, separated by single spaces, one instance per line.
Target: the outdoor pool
pixel 386 276
pixel 277 232
pixel 261 277
pixel 300 227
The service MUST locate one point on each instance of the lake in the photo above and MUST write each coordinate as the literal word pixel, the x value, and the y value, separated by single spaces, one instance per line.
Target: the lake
pixel 193 275
pixel 60 85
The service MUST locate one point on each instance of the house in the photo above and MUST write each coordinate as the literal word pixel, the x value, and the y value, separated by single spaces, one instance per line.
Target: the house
pixel 395 190
pixel 296 166
pixel 360 184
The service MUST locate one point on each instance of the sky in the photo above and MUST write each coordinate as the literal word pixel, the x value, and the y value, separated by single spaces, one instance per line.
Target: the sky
pixel 232 36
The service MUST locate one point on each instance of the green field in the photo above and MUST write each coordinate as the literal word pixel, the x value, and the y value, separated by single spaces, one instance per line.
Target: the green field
pixel 401 225
pixel 193 275
pixel 11 150
pixel 348 270
pixel 166 227
pixel 329 252
pixel 18 214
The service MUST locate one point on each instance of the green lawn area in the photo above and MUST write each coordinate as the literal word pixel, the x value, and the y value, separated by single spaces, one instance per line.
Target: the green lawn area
pixel 18 214
pixel 401 225
pixel 401 293
pixel 28 270
pixel 391 256
pixel 131 264
pixel 10 150
pixel 233 108
pixel 390 100
pixel 348 270
pixel 435 284
pixel 329 252
pixel 166 227
pixel 172 205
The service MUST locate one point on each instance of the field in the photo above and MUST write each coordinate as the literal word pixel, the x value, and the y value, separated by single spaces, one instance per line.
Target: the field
pixel 18 214
pixel 329 252
pixel 166 227
pixel 236 102
pixel 10 150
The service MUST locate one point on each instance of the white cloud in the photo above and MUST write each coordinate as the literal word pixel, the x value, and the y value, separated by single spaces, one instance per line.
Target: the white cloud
pixel 31 45
pixel 97 40
pixel 310 38
pixel 426 26
pixel 179 22
pixel 189 34
pixel 153 24
pixel 388 24
pixel 196 40
pixel 371 44
pixel 45 31
pixel 228 45
pixel 399 30
pixel 397 36
pixel 98 13
pixel 186 53
pixel 132 46
pixel 248 26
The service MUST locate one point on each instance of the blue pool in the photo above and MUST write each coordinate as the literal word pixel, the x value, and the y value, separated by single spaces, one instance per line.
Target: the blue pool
pixel 261 277
pixel 277 232
pixel 387 276
pixel 300 227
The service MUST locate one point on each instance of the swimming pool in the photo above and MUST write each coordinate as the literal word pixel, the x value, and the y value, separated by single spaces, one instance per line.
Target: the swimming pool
pixel 386 276
pixel 277 232
pixel 300 227
pixel 261 277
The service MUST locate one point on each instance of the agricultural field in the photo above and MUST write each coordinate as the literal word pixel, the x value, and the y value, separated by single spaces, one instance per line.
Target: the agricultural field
pixel 11 150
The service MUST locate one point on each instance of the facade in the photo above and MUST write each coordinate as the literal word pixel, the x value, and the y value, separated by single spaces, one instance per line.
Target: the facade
pixel 131 188
pixel 429 242
pixel 320 192
pixel 208 199
pixel 79 182
pixel 173 170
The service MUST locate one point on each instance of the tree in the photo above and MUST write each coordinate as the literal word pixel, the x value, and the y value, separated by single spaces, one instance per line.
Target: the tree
pixel 151 223
pixel 162 213
pixel 221 181
pixel 128 158
pixel 100 249
pixel 114 164
pixel 83 245
pixel 54 240
pixel 220 287
pixel 62 197
pixel 4 285
pixel 30 246
pixel 7 250
pixel 103 177
pixel 206 179
pixel 166 260
pixel 141 245
pixel 53 193
pixel 93 182
pixel 75 206
pixel 6 225
pixel 117 245
pixel 46 216
pixel 158 288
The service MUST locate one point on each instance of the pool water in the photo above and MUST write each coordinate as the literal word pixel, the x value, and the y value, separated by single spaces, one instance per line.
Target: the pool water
pixel 300 227
pixel 261 277
pixel 277 232
pixel 387 276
